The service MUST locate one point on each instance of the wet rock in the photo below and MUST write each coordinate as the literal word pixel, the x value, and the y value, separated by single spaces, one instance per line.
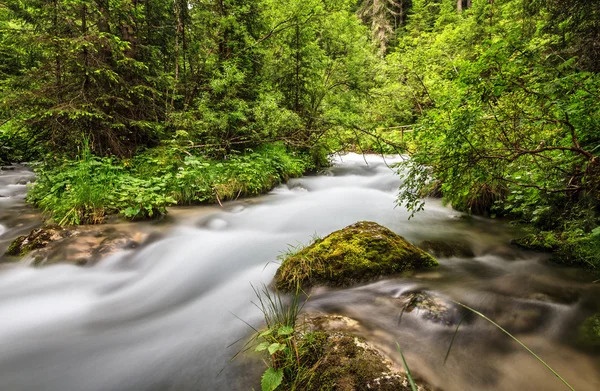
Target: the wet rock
pixel 447 249
pixel 112 244
pixel 81 245
pixel 38 238
pixel 359 252
pixel 432 308
pixel 345 362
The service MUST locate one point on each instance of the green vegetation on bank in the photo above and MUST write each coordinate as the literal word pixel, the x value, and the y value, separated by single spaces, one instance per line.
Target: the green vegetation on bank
pixel 86 190
pixel 497 101
pixel 505 99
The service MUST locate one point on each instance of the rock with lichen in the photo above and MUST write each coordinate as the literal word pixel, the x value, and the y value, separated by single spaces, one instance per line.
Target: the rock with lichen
pixel 83 245
pixel 359 252
pixel 37 239
pixel 341 361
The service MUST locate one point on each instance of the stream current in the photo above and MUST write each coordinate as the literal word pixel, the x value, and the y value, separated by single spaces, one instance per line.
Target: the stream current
pixel 163 316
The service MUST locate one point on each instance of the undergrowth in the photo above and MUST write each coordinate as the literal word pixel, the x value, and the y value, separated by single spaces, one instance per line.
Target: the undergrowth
pixel 287 348
pixel 86 190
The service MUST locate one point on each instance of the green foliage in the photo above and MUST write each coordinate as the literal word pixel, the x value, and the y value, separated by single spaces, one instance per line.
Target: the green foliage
pixel 85 190
pixel 271 379
pixel 589 331
pixel 280 339
pixel 505 115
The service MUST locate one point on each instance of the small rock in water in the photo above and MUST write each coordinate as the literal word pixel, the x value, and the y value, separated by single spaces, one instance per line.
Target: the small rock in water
pixel 432 308
pixel 37 239
pixel 237 209
pixel 217 224
pixel 447 249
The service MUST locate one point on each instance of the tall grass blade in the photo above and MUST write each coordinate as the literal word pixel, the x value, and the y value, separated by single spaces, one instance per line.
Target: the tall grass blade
pixel 453 337
pixel 517 341
pixel 413 386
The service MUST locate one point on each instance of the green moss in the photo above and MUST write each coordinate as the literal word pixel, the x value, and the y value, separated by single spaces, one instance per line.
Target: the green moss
pixel 543 241
pixel 38 238
pixel 343 362
pixel 360 252
pixel 571 247
pixel 579 249
pixel 589 332
pixel 15 247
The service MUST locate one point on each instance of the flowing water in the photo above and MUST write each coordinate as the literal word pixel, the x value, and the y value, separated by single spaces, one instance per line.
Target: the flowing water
pixel 162 316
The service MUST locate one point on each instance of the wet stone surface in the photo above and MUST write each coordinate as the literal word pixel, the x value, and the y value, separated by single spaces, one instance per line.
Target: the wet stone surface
pixel 81 246
pixel 346 362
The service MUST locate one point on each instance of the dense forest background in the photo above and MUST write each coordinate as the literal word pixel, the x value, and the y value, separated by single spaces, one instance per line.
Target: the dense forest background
pixel 130 106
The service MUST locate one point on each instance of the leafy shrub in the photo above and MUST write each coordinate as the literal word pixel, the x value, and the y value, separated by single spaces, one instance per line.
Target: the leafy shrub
pixel 85 190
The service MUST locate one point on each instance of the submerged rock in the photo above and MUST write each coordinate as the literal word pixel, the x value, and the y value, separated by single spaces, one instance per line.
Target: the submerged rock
pixel 445 249
pixel 345 362
pixel 37 239
pixel 359 252
pixel 82 245
pixel 432 308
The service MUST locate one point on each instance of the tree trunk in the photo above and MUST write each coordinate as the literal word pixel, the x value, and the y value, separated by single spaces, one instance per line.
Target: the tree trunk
pixel 85 49
pixel 459 5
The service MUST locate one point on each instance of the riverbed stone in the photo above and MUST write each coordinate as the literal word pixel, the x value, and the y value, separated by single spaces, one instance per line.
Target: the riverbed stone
pixel 447 249
pixel 432 308
pixel 38 238
pixel 359 252
pixel 342 361
pixel 81 245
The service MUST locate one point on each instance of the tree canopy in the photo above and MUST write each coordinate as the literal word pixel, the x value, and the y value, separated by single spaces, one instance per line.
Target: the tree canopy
pixel 496 101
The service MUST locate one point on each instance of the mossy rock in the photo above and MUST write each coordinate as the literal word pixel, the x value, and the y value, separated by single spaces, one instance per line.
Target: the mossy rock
pixel 334 359
pixel 359 252
pixel 447 249
pixel 38 238
pixel 588 334
pixel 346 363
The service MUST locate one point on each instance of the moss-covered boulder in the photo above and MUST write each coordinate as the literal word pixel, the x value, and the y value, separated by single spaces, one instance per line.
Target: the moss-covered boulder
pixel 359 252
pixel 589 332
